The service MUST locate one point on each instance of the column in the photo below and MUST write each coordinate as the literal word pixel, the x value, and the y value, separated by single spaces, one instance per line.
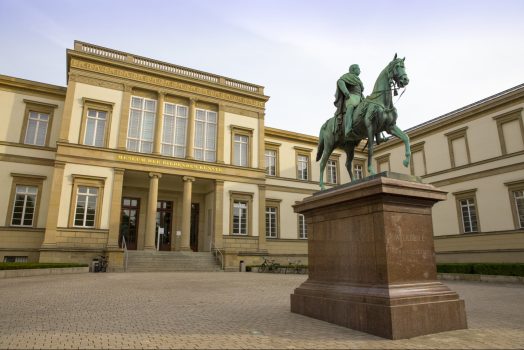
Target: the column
pixel 220 134
pixel 186 212
pixel 219 213
pixel 124 117
pixel 151 211
pixel 54 206
pixel 261 142
pixel 262 217
pixel 116 206
pixel 159 121
pixel 68 109
pixel 191 129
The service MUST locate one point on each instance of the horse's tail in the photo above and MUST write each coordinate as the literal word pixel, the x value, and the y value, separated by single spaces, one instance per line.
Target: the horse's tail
pixel 320 148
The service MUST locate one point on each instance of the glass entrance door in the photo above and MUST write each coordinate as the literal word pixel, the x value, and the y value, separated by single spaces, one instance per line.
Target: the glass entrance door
pixel 129 222
pixel 193 231
pixel 164 220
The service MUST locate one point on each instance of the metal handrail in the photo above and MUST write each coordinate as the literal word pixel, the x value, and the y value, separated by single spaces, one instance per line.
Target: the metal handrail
pixel 124 246
pixel 217 250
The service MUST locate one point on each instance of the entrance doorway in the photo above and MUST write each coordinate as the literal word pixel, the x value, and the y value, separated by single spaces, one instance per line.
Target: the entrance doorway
pixel 129 222
pixel 164 219
pixel 193 231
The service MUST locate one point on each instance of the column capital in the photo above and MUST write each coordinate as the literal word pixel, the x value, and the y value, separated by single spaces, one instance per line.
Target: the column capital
pixel 152 175
pixel 128 88
pixel 119 171
pixel 59 164
pixel 188 178
pixel 193 100
pixel 219 182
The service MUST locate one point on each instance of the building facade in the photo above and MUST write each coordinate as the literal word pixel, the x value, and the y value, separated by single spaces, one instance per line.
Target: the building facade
pixel 147 155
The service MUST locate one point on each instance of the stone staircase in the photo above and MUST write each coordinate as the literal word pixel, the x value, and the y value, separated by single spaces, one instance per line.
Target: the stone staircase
pixel 158 261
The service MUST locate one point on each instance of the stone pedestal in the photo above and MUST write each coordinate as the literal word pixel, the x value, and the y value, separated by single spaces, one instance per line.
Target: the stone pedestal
pixel 372 260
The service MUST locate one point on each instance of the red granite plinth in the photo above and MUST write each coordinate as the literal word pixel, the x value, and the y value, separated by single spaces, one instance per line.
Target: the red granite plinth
pixel 372 260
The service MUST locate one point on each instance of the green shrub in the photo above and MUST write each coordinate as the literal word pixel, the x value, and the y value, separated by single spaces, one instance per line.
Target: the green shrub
pixel 23 266
pixel 483 269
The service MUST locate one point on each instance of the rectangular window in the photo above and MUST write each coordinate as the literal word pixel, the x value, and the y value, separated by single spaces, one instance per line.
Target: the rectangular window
pixel 205 135
pixel 240 151
pixel 141 129
pixel 24 205
pixel 36 131
pixel 358 171
pixel 302 227
pixel 95 128
pixel 271 162
pixel 331 171
pixel 240 218
pixel 458 147
pixel 518 196
pixel 15 259
pixel 469 215
pixel 85 212
pixel 174 130
pixel 271 222
pixel 302 167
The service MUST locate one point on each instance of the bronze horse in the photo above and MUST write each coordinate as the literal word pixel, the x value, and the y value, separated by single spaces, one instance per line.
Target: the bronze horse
pixel 372 116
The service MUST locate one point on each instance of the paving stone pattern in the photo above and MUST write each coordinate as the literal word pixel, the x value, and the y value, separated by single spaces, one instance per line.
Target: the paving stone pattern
pixel 220 311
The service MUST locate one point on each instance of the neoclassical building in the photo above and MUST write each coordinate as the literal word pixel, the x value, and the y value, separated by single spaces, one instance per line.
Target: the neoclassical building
pixel 141 155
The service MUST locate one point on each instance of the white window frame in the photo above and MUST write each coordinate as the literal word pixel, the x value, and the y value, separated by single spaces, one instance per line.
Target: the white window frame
pixel 519 195
pixel 331 171
pixel 37 118
pixel 303 167
pixel 271 161
pixel 23 190
pixel 240 150
pixel 205 152
pixel 358 171
pixel 96 118
pixel 170 145
pixel 90 195
pixel 271 222
pixel 140 140
pixel 241 206
pixel 469 205
pixel 302 227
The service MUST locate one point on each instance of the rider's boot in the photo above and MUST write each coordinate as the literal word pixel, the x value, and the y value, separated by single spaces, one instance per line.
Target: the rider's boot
pixel 348 121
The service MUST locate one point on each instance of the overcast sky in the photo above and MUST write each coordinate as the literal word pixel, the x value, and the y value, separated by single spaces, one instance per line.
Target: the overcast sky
pixel 457 52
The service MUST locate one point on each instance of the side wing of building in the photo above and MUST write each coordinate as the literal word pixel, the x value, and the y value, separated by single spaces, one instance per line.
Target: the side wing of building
pixel 476 154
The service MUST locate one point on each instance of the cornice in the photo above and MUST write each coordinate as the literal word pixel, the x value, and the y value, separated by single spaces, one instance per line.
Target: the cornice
pixel 158 77
pixel 469 112
pixel 12 83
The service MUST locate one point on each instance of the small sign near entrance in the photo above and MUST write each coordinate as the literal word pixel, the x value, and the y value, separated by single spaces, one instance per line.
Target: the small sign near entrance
pixel 179 233
pixel 160 230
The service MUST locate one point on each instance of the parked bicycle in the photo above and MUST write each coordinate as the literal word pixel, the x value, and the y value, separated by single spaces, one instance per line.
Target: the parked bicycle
pixel 269 266
pixel 293 267
pixel 100 264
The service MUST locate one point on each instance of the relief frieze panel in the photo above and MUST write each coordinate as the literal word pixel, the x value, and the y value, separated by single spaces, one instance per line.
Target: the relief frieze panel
pixel 125 74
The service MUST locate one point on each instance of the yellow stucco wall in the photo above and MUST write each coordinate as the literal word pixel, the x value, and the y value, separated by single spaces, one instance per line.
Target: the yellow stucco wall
pixel 227 215
pixel 101 94
pixel 67 185
pixel 242 121
pixel 12 115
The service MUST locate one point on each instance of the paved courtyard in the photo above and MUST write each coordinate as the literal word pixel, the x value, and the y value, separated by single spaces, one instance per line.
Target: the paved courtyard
pixel 218 310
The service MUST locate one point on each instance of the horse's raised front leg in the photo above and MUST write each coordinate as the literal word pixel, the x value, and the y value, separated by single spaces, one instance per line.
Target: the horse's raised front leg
pixel 369 127
pixel 395 130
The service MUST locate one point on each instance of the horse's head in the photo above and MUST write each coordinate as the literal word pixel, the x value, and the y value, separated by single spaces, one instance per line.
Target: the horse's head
pixel 398 71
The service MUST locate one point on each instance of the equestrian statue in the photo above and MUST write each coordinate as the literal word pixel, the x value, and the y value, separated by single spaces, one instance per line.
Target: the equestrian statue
pixel 358 118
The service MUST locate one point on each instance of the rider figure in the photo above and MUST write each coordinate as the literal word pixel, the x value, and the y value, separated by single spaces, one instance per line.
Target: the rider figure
pixel 348 96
